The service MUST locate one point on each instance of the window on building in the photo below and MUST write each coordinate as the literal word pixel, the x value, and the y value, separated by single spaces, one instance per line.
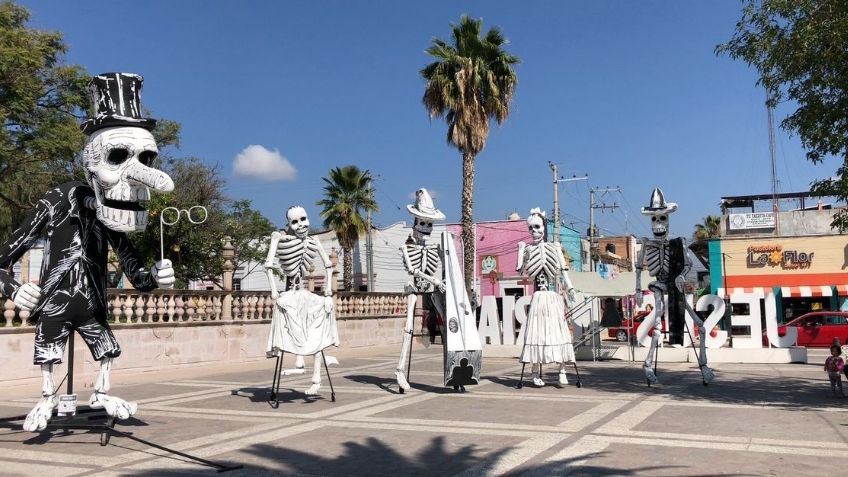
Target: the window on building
pixel 237 284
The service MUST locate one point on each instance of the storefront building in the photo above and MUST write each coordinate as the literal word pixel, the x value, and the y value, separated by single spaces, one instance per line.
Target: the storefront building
pixel 795 255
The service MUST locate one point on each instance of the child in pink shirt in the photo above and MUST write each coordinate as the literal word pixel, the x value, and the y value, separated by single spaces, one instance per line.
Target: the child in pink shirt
pixel 834 366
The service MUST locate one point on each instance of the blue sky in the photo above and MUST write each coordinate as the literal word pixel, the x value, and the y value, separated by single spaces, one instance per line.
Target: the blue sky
pixel 630 93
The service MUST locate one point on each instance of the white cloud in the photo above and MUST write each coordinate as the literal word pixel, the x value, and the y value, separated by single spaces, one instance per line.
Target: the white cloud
pixel 260 163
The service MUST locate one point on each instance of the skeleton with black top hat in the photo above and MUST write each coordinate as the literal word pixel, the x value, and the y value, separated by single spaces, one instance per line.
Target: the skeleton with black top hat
pixel 436 277
pixel 81 222
pixel 659 255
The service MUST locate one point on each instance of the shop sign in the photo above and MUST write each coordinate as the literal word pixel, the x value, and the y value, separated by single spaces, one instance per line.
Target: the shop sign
pixel 752 220
pixel 773 255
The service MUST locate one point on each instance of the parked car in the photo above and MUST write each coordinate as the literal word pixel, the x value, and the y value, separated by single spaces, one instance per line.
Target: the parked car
pixel 628 326
pixel 817 329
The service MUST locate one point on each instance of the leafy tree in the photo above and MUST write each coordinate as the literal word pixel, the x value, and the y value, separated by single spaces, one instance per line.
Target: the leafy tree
pixel 41 102
pixel 471 82
pixel 196 249
pixel 800 50
pixel 710 228
pixel 348 192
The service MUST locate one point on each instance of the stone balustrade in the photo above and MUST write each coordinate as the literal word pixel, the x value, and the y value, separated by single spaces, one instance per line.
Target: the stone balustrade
pixel 132 307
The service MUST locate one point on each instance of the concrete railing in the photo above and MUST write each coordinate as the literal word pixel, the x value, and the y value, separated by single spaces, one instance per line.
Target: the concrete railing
pixel 176 306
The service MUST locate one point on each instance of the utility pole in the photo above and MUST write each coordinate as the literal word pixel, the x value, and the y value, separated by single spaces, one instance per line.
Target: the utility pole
pixel 592 207
pixel 557 180
pixel 369 246
pixel 556 201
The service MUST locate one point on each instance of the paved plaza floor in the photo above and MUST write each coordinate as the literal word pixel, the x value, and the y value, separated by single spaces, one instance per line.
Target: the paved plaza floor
pixel 753 420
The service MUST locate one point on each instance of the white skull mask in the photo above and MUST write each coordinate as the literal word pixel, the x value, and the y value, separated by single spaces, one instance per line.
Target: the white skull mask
pixel 536 226
pixel 423 227
pixel 117 162
pixel 659 225
pixel 298 221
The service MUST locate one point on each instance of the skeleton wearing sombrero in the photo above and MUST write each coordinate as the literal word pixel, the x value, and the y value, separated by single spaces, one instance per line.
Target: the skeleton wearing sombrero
pixel 81 222
pixel 656 254
pixel 426 263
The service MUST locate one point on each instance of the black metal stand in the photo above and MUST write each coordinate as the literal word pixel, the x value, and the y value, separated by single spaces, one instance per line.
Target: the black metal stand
pixel 521 379
pixel 81 421
pixel 274 400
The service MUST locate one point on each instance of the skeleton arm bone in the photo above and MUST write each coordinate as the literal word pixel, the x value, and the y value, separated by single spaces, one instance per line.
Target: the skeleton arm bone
pixel 328 269
pixel 687 266
pixel 569 287
pixel 639 260
pixel 269 264
pixel 522 251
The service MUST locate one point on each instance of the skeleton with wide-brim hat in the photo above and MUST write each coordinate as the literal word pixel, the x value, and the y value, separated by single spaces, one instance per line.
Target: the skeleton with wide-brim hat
pixel 669 263
pixel 82 221
pixel 429 275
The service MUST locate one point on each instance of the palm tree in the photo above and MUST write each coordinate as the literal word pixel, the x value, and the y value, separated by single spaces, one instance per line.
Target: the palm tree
pixel 711 228
pixel 471 82
pixel 348 192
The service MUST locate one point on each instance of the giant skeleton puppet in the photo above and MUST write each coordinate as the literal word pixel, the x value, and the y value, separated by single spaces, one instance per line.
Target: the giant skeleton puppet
pixel 423 261
pixel 81 222
pixel 668 262
pixel 547 338
pixel 303 323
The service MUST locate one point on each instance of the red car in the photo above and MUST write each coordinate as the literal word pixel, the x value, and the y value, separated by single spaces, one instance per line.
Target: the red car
pixel 817 329
pixel 627 327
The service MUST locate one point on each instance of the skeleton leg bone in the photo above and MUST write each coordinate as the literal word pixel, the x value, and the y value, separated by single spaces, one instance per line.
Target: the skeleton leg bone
pixel 316 374
pixel 100 399
pixel 403 384
pixel 649 365
pixel 706 372
pixel 40 415
pixel 537 375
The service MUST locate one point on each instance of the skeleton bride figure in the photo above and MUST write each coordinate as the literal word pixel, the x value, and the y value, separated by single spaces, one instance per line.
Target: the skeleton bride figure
pixel 547 338
pixel 303 322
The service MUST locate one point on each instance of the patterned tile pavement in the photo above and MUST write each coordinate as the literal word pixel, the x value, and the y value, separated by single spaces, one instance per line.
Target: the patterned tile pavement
pixel 754 420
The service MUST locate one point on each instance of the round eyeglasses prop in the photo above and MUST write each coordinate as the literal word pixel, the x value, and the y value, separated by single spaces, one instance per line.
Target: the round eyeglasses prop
pixel 171 215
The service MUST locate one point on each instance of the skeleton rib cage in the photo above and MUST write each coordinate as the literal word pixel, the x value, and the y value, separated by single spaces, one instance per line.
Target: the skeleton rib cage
pixel 425 259
pixel 296 257
pixel 543 260
pixel 657 258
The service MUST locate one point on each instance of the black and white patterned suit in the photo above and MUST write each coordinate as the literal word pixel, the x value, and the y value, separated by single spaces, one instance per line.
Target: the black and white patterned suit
pixel 73 274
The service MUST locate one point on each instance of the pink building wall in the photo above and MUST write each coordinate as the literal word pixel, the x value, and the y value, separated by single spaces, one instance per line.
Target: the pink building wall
pixel 498 239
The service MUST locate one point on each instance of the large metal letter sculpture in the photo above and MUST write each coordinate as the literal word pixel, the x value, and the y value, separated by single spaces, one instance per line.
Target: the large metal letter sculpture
pixel 547 338
pixel 462 347
pixel 303 323
pixel 657 254
pixel 81 222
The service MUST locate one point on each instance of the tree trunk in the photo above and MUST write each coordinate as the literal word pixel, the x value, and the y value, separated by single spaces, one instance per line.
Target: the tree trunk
pixel 468 258
pixel 348 268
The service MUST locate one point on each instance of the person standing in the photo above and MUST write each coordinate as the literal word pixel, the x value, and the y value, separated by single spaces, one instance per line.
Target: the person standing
pixel 834 366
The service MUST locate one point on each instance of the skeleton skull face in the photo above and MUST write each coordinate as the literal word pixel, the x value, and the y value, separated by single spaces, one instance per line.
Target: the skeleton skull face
pixel 117 163
pixel 536 226
pixel 298 221
pixel 423 227
pixel 659 225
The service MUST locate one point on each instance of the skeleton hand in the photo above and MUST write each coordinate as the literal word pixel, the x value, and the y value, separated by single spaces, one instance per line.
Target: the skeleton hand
pixel 441 286
pixel 275 294
pixel 328 303
pixel 40 415
pixel 679 283
pixel 328 292
pixel 163 274
pixel 27 296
